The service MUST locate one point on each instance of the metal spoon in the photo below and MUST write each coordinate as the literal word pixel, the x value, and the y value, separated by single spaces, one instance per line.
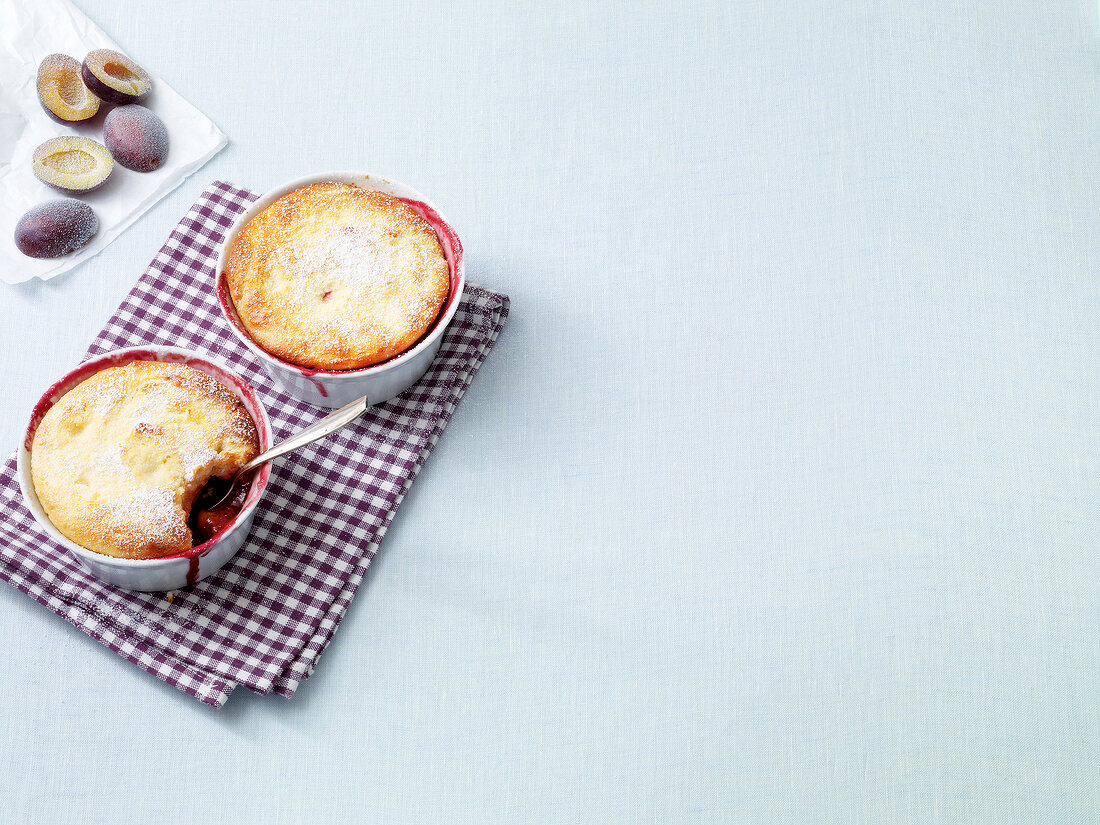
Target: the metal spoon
pixel 319 429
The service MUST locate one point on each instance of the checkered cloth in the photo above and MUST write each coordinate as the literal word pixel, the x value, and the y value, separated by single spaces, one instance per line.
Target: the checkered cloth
pixel 265 618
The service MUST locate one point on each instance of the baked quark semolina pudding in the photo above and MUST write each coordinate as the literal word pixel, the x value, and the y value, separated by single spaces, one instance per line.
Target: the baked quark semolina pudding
pixel 118 461
pixel 333 276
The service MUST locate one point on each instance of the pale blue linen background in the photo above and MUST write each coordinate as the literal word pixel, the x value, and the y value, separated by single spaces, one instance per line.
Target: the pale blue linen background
pixel 775 502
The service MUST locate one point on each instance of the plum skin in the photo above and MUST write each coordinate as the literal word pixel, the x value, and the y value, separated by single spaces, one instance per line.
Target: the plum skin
pixel 55 228
pixel 105 92
pixel 136 138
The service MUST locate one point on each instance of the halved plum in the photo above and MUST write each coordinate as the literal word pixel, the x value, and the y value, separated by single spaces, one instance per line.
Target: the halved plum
pixel 115 77
pixel 136 137
pixel 61 91
pixel 55 228
pixel 73 164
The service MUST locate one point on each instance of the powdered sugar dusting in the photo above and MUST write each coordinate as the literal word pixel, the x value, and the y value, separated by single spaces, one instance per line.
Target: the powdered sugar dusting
pixel 195 458
pixel 118 460
pixel 162 521
pixel 348 257
pixel 335 276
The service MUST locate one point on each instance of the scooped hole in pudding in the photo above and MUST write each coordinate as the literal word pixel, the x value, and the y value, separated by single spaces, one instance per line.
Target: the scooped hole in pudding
pixel 207 521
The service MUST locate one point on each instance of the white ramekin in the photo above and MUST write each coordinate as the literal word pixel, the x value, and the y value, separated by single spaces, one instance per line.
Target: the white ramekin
pixel 381 382
pixel 170 572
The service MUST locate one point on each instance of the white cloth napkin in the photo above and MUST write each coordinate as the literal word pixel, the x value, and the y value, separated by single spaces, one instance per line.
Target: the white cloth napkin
pixel 30 30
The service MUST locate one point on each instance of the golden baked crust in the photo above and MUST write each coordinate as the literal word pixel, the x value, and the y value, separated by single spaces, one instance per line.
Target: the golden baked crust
pixel 118 461
pixel 332 276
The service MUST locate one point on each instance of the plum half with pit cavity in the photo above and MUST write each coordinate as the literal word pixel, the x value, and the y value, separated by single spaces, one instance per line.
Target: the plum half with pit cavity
pixel 136 138
pixel 115 77
pixel 72 164
pixel 61 91
pixel 55 228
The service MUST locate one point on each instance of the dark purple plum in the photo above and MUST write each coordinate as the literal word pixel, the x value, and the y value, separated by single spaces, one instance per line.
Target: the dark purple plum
pixel 114 77
pixel 136 137
pixel 55 228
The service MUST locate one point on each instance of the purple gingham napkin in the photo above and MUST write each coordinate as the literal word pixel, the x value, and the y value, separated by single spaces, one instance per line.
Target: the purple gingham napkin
pixel 265 618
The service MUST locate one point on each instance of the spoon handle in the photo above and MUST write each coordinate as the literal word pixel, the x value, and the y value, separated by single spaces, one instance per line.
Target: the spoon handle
pixel 327 425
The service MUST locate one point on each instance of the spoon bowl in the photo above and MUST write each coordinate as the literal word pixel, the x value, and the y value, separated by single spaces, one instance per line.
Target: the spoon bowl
pixel 315 431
